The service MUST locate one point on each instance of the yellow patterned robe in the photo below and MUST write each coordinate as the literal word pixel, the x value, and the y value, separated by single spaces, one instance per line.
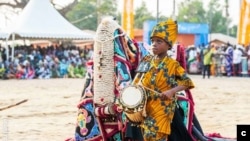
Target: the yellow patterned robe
pixel 162 75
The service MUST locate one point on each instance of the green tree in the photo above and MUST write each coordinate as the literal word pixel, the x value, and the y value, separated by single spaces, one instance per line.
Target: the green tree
pixel 106 8
pixel 233 31
pixel 87 13
pixel 217 22
pixel 84 15
pixel 193 11
pixel 141 15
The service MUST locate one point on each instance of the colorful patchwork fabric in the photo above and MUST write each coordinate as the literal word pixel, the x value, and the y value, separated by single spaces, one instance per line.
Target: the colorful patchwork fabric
pixel 127 56
pixel 87 126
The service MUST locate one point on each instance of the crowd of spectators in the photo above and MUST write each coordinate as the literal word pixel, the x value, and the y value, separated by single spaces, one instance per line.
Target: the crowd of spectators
pixel 219 60
pixel 55 61
pixel 60 61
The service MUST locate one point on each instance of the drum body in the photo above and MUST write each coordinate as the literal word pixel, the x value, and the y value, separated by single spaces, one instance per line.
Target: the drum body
pixel 133 99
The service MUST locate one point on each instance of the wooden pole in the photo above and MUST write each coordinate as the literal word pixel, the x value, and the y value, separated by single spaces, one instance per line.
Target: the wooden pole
pixel 13 105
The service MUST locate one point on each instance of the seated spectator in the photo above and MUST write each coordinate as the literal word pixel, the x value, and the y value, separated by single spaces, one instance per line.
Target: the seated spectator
pixel 55 71
pixel 29 71
pixel 71 73
pixel 63 67
pixel 43 72
pixel 56 59
pixel 20 74
pixel 2 70
pixel 80 71
pixel 78 61
pixel 11 72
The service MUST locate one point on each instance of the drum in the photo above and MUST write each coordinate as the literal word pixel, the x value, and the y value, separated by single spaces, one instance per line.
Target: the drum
pixel 133 99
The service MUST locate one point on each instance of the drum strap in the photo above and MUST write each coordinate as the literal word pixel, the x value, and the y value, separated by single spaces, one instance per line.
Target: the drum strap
pixel 143 67
pixel 144 112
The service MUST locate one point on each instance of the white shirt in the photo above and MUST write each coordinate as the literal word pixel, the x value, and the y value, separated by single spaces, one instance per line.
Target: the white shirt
pixel 248 52
pixel 237 56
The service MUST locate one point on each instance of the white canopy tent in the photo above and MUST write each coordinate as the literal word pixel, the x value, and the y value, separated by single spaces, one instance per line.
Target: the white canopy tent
pixel 40 20
pixel 3 35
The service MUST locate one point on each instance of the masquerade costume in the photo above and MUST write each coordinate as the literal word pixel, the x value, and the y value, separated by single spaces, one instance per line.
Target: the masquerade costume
pixel 115 58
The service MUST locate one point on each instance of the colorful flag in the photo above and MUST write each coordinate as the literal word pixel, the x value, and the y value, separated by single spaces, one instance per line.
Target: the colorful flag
pixel 128 17
pixel 244 24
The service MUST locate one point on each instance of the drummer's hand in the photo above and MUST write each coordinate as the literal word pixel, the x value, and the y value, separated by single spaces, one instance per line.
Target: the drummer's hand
pixel 167 95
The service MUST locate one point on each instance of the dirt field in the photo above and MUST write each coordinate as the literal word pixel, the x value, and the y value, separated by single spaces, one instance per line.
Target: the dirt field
pixel 50 112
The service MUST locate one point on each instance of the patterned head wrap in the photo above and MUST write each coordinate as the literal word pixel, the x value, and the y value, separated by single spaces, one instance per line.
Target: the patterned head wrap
pixel 166 30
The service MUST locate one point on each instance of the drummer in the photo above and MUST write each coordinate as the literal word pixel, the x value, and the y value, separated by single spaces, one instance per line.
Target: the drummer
pixel 163 80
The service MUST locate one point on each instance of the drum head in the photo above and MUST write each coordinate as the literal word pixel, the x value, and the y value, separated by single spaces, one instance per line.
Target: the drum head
pixel 131 97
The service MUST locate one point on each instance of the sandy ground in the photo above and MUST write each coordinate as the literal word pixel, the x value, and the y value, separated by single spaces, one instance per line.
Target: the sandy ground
pixel 50 112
